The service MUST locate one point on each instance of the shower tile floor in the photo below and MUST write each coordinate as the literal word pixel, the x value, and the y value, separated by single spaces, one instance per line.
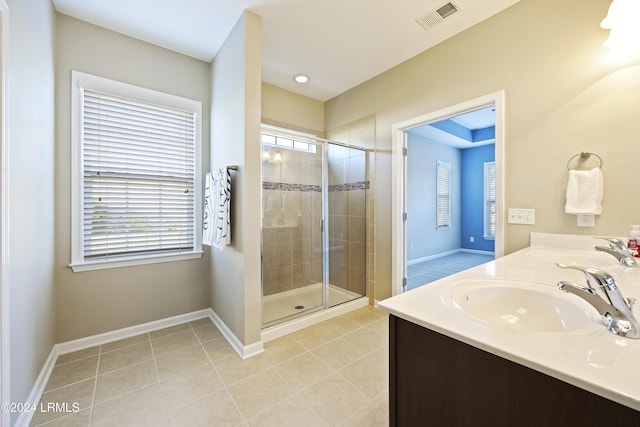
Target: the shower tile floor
pixel 333 373
pixel 283 305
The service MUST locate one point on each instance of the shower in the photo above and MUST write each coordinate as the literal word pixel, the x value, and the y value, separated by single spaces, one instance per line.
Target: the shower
pixel 314 247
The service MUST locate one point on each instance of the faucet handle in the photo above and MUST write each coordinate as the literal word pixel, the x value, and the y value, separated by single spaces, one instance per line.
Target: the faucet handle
pixel 619 250
pixel 602 277
pixel 614 242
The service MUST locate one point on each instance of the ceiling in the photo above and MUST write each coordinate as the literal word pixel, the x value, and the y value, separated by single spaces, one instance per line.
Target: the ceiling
pixel 337 43
pixel 467 130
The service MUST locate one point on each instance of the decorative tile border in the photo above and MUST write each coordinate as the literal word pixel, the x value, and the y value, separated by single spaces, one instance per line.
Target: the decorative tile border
pixel 266 185
pixel 350 186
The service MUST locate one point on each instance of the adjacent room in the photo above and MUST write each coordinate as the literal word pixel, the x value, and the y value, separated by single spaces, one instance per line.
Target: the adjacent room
pixel 451 196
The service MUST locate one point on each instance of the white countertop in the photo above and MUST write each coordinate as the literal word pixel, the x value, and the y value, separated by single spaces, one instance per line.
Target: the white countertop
pixel 589 357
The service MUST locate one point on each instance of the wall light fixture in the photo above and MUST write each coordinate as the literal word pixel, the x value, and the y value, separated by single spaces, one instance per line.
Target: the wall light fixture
pixel 623 23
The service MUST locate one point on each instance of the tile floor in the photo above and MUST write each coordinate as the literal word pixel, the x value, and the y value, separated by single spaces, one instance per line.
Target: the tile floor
pixel 429 271
pixel 330 374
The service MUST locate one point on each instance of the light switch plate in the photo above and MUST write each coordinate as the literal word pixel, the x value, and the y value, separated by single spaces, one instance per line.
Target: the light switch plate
pixel 521 216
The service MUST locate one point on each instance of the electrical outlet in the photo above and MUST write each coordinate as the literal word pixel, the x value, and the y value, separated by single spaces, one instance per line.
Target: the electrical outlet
pixel 521 216
pixel 586 220
pixel 472 239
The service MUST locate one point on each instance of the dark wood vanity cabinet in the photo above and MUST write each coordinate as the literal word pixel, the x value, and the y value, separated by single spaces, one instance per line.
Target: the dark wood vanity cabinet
pixel 438 381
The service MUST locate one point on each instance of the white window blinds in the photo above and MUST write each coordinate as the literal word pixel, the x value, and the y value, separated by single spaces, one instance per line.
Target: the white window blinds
pixel 138 177
pixel 443 194
pixel 489 200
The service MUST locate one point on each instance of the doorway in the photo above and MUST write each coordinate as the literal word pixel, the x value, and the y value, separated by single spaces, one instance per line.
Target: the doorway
pixel 428 218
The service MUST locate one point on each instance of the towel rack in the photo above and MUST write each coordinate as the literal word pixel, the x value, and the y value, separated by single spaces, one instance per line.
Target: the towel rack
pixel 232 168
pixel 583 156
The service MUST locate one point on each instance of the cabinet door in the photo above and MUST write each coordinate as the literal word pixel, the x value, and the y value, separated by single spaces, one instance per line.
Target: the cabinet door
pixel 436 380
pixel 432 383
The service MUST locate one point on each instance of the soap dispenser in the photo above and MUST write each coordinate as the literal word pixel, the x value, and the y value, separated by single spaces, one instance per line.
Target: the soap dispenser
pixel 634 241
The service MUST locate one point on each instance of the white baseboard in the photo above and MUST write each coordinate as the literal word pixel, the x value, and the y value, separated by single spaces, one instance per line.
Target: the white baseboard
pixel 244 351
pixel 477 251
pixel 455 251
pixel 107 337
pixel 430 257
pixel 38 388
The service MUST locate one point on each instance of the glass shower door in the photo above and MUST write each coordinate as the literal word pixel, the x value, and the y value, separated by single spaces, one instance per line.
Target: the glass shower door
pixel 347 215
pixel 292 241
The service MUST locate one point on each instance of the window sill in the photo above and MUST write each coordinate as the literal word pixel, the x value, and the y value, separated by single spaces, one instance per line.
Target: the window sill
pixel 141 260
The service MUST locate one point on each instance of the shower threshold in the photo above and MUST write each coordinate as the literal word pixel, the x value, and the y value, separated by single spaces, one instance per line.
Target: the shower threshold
pixel 285 305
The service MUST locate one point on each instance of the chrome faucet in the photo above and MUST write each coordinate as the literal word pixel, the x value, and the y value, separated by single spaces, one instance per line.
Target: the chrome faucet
pixel 618 249
pixel 616 311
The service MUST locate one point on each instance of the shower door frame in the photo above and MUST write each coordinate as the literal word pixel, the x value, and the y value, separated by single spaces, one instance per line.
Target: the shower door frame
pixel 325 223
pixel 324 228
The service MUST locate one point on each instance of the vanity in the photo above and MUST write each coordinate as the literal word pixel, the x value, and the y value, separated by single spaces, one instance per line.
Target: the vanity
pixel 501 345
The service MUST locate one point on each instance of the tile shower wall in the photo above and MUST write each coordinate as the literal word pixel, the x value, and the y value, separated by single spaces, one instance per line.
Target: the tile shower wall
pixel 292 213
pixel 362 133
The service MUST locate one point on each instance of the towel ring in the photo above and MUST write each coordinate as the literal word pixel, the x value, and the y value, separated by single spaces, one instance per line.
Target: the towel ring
pixel 584 155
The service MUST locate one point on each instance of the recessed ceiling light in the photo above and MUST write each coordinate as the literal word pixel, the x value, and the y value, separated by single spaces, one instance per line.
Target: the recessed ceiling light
pixel 301 78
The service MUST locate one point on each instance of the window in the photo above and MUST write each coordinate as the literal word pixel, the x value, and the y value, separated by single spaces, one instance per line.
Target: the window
pixel 136 184
pixel 490 200
pixel 288 142
pixel 443 195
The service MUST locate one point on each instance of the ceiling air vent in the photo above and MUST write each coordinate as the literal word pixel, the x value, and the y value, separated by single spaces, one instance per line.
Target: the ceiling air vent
pixel 432 18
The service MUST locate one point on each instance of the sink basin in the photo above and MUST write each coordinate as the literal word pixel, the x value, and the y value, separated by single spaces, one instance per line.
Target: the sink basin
pixel 524 306
pixel 584 258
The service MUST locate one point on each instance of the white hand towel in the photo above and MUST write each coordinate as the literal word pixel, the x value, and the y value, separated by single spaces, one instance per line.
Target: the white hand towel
pixel 207 221
pixel 584 192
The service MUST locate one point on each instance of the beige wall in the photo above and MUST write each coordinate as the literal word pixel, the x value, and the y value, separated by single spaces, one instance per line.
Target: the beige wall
pixel 92 302
pixel 30 169
pixel 292 111
pixel 561 98
pixel 235 140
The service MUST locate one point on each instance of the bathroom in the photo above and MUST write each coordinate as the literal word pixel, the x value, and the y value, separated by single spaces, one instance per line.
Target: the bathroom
pixel 562 98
